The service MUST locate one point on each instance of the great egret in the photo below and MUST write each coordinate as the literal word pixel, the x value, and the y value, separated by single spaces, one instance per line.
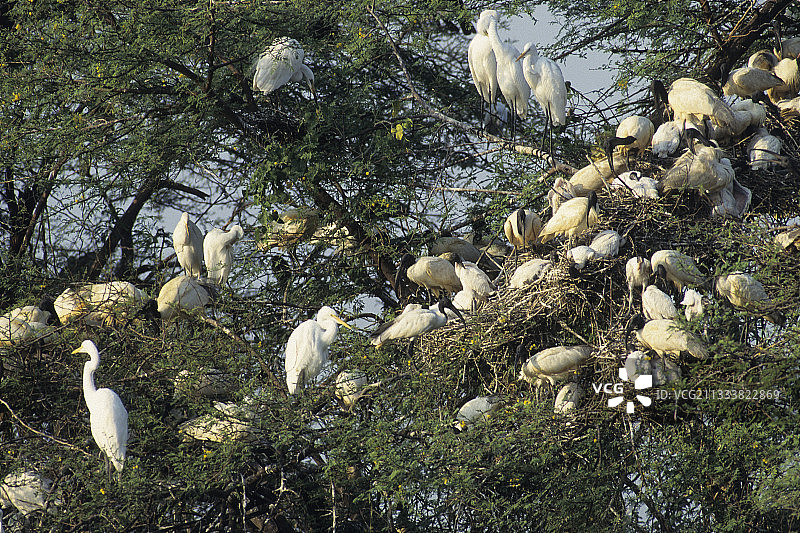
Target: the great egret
pixel 764 150
pixel 522 227
pixel 27 491
pixel 637 274
pixel 657 304
pixel 554 363
pixel 510 78
pixel 572 218
pixel 107 416
pixel 349 386
pixel 546 81
pixel 746 292
pixel 678 268
pixel 747 81
pixel 475 279
pixel 281 63
pixel 307 349
pixel 218 252
pixel 187 239
pixel 475 410
pixel 695 102
pixel 528 272
pixel 97 303
pixel 482 63
pixel 665 337
pixel 434 273
pixel 413 322
pixel 694 303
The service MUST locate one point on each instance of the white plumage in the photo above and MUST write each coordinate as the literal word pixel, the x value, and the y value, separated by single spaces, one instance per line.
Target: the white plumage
pixel 597 174
pixel 572 218
pixel 706 170
pixel 27 491
pixel 349 386
pixel 694 304
pixel 482 62
pixel 789 238
pixel 522 227
pixel 746 292
pixel 666 139
pixel 567 398
pixel 679 268
pixel 657 304
pixel 640 186
pixel 789 72
pixel 230 422
pixel 763 59
pixel 307 349
pixel 107 416
pixel 640 128
pixel 97 303
pixel 580 255
pixel 764 150
pixel 510 78
pixel 412 322
pixel 606 243
pixel 433 273
pixel 475 279
pixel 187 239
pixel 694 102
pixel 546 81
pixel 279 64
pixel 475 410
pixel 666 337
pixel 561 191
pixel 554 363
pixel 637 274
pixel 747 81
pixel 182 293
pixel 218 252
pixel 465 249
pixel 528 272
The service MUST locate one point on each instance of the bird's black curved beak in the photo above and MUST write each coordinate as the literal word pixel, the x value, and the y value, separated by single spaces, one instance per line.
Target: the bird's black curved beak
pixel 445 303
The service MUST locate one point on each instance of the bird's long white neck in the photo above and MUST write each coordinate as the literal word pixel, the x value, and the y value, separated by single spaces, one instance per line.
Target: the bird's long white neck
pixel 494 38
pixel 89 368
pixel 330 330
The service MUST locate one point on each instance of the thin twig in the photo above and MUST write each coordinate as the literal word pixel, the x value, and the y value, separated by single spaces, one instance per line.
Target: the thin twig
pixel 41 433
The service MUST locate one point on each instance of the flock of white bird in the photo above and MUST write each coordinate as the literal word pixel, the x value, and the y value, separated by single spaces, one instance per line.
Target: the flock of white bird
pixel 497 68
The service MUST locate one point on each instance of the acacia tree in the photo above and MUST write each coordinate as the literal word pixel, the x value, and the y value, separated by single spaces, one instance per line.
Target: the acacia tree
pixel 116 114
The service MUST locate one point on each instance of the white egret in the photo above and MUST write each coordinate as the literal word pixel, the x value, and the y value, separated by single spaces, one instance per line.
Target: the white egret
pixel 665 337
pixel 107 416
pixel 218 252
pixel 694 303
pixel 27 491
pixel 510 78
pixel 657 304
pixel 678 268
pixel 434 273
pixel 637 274
pixel 187 240
pixel 281 63
pixel 308 348
pixel 746 292
pixel 475 410
pixel 546 81
pixel 482 63
pixel 554 363
pixel 413 322
pixel 572 218
pixel 350 385
pixel 764 150
pixel 528 272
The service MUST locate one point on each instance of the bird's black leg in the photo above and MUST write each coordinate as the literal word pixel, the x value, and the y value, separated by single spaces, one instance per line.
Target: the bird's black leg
pixel 410 350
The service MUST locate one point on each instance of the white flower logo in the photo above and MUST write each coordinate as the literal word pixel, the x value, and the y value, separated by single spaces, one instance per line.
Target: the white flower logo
pixel 633 365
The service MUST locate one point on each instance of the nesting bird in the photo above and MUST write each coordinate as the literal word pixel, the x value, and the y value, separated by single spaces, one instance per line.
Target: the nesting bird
pixel 179 295
pixel 678 268
pixel 308 348
pixel 572 218
pixel 764 150
pixel 108 418
pixel 666 337
pixel 554 363
pixel 414 321
pixel 281 63
pixel 640 186
pixel 694 304
pixel 528 272
pixel 666 139
pixel 187 240
pixel 218 252
pixel 27 491
pixel 97 303
pixel 597 174
pixel 745 292
pixel 637 131
pixel 637 274
pixel 580 255
pixel 695 102
pixel 656 304
pixel 434 273
pixel 522 227
pixel 230 422
pixel 568 398
pixel 475 410
pixel 349 386
pixel 747 81
pixel 704 169
pixel 474 279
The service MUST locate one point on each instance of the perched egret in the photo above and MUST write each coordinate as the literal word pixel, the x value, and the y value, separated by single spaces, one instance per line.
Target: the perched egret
pixel 27 491
pixel 434 273
pixel 572 218
pixel 554 363
pixel 187 239
pixel 218 252
pixel 528 272
pixel 637 274
pixel 546 81
pixel 678 268
pixel 665 337
pixel 510 78
pixel 281 63
pixel 413 322
pixel 350 385
pixel 307 349
pixel 746 292
pixel 480 408
pixel 107 416
pixel 657 304
pixel 482 63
